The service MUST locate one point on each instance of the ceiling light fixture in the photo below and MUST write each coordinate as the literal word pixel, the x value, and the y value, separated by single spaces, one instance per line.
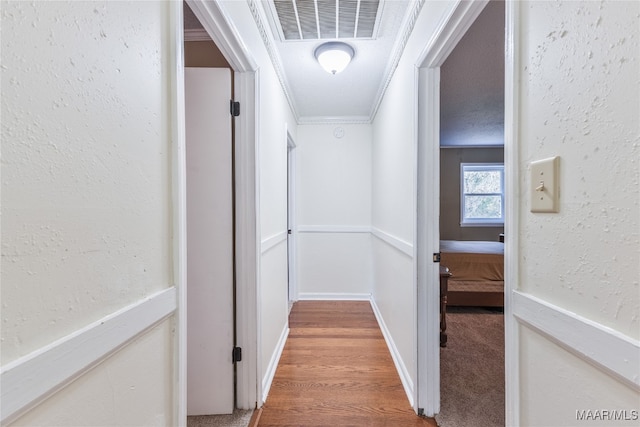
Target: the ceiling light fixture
pixel 334 56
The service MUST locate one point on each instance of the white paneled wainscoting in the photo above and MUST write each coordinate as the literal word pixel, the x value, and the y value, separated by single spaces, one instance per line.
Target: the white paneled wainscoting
pixel 29 380
pixel 334 262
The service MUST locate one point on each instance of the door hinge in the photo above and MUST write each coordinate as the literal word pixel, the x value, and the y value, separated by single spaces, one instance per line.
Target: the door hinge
pixel 436 257
pixel 234 108
pixel 237 355
pixel 288 231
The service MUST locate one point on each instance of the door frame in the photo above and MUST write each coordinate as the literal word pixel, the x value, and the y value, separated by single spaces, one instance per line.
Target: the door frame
pixel 291 218
pixel 427 76
pixel 246 87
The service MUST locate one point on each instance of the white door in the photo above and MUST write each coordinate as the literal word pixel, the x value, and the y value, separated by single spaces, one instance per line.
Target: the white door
pixel 210 371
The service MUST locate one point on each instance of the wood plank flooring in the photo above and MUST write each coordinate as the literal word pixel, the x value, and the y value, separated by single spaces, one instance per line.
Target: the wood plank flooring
pixel 336 370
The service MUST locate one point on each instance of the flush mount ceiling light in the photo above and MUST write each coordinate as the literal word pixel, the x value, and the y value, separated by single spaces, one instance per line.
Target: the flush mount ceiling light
pixel 334 56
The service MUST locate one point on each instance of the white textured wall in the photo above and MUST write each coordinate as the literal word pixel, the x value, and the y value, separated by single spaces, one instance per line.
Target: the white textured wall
pixel 275 118
pixel 579 99
pixel 334 193
pixel 86 197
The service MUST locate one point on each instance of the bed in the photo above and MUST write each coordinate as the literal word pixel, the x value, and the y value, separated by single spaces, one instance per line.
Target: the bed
pixel 477 272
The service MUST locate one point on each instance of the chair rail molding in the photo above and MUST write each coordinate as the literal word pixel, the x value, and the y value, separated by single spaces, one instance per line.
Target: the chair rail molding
pixel 605 348
pixel 31 379
pixel 401 245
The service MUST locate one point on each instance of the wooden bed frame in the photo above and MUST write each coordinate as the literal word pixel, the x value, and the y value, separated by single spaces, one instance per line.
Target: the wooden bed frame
pixel 475 299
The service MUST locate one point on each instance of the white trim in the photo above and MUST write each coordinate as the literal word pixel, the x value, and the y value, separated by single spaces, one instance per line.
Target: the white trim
pixel 327 296
pixel 333 229
pixel 471 147
pixel 512 222
pixel 607 349
pixel 179 208
pixel 408 23
pixel 428 241
pixel 273 241
pixel 330 120
pixel 217 24
pixel 257 313
pixel 247 237
pixel 33 378
pixel 292 217
pixel 405 377
pixel 266 35
pixel 450 30
pixel 417 316
pixel 273 363
pixel 401 245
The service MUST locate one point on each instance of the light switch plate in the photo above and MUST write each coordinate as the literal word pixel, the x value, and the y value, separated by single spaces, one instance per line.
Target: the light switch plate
pixel 544 185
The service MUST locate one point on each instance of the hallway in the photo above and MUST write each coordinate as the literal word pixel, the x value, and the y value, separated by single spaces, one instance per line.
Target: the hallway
pixel 336 370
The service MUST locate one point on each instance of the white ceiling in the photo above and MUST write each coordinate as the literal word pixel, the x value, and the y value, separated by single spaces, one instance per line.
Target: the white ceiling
pixel 351 96
pixel 472 91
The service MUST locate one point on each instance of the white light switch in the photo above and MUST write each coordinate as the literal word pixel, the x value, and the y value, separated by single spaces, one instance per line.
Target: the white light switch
pixel 545 189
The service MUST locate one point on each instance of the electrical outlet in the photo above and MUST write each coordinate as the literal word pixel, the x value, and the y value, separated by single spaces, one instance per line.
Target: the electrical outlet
pixel 544 185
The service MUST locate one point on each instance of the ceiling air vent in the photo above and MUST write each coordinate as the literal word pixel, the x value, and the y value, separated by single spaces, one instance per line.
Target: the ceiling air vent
pixel 326 19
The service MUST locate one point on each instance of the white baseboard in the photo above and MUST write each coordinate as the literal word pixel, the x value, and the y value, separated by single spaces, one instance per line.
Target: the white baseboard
pixel 273 364
pixel 28 381
pixel 328 296
pixel 333 229
pixel 405 378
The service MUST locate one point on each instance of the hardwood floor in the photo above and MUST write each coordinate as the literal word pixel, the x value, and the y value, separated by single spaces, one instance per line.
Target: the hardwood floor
pixel 336 370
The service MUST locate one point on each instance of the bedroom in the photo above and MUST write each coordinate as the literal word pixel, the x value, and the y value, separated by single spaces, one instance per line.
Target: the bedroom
pixel 471 233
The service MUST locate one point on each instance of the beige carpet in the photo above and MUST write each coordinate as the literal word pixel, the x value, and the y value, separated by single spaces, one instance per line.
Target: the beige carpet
pixel 472 369
pixel 237 419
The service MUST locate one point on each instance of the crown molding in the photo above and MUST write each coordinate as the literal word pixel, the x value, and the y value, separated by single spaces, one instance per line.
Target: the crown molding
pixel 273 55
pixel 330 120
pixel 409 23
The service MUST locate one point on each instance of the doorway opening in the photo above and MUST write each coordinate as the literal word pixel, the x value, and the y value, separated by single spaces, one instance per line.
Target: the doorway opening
pixel 210 225
pixel 438 166
pixel 472 223
pixel 215 28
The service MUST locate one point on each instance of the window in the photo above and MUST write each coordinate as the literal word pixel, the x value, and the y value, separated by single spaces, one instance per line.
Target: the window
pixel 482 194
